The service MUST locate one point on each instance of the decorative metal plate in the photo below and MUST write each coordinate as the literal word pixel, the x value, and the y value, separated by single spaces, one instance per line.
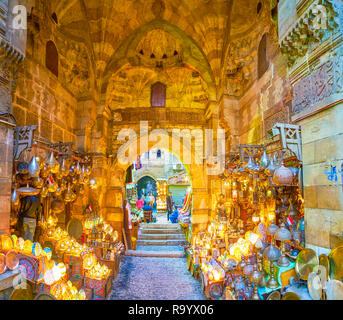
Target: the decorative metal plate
pixel 324 261
pixel 276 295
pixel 22 293
pixel 290 296
pixel 336 263
pixel 334 290
pixel 2 263
pixel 75 228
pixel 12 260
pixel 305 263
pixel 314 286
pixel 216 290
pixel 44 296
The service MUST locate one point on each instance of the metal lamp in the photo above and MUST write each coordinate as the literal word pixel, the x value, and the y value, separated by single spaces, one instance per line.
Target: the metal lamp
pixel 272 254
pixel 283 234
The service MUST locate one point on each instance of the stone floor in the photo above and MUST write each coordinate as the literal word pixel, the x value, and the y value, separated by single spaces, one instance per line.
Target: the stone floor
pixel 142 278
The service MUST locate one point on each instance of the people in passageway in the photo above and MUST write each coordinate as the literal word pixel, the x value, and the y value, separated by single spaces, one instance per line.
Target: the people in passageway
pixel 170 204
pixel 174 215
pixel 147 210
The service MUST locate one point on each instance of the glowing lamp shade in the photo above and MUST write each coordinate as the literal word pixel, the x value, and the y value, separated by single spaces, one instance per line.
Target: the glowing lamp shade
pixel 89 261
pixel 49 277
pixel 216 275
pixel 93 184
pixel 28 247
pixel 48 253
pixel 253 237
pixel 37 249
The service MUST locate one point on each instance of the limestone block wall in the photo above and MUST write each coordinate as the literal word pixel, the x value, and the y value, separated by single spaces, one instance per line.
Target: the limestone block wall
pixel 40 99
pixel 317 107
pixel 322 136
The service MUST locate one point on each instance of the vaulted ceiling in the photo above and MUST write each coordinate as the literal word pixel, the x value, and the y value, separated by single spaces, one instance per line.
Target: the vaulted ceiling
pixel 114 29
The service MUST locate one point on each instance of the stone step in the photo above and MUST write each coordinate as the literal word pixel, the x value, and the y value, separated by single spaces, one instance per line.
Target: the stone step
pixel 174 242
pixel 161 236
pixel 155 254
pixel 174 226
pixel 160 231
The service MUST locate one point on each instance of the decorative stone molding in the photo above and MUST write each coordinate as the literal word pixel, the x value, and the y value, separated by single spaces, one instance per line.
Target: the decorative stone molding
pixel 325 81
pixel 303 36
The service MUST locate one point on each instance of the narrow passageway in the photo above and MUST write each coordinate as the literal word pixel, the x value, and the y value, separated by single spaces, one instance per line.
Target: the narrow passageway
pixel 157 269
pixel 145 278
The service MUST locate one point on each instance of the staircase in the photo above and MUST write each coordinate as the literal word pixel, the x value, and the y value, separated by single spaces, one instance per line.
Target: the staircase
pixel 159 240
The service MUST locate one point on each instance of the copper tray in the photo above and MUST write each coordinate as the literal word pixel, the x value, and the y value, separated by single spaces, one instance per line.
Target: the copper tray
pixel 336 263
pixel 305 263
pixel 12 260
pixel 290 296
pixel 2 263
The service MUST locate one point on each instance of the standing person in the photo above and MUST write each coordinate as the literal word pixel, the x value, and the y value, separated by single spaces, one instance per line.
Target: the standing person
pixel 170 203
pixel 147 213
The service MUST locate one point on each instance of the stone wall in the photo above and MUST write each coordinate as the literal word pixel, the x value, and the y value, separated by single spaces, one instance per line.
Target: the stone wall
pixel 316 74
pixel 254 103
pixel 40 99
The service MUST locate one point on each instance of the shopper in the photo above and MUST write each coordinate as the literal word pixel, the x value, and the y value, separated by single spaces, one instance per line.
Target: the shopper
pixel 170 204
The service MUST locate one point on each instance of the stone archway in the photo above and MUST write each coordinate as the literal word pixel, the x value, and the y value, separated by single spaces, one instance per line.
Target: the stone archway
pixel 115 189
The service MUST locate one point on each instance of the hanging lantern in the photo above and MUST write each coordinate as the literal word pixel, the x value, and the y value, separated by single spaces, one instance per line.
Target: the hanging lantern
pixel 283 176
pixel 15 198
pixel 69 196
pixel 40 162
pixel 264 160
pixel 37 182
pixel 53 165
pixel 34 168
pixel 52 185
pixel 44 192
pixel 78 168
pixel 64 168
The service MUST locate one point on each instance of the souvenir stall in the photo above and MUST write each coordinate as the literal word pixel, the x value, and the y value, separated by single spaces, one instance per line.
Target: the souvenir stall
pixel 184 217
pixel 58 255
pixel 254 245
pixel 162 192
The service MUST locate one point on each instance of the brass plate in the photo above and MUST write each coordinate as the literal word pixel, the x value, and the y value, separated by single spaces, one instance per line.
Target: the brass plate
pixel 2 263
pixel 290 296
pixel 334 290
pixel 314 286
pixel 12 260
pixel 276 295
pixel 305 263
pixel 44 296
pixel 336 263
pixel 22 293
pixel 75 228
pixel 324 261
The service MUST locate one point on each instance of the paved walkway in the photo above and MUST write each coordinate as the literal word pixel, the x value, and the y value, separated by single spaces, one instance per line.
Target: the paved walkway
pixel 142 278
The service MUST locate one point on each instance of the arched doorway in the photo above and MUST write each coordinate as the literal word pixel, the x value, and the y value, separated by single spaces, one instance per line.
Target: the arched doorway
pixel 145 185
